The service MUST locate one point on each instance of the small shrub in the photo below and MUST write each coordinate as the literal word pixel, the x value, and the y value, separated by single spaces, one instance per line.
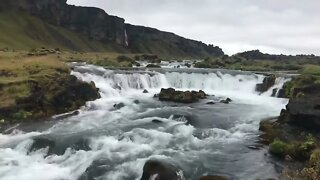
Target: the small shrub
pixel 279 148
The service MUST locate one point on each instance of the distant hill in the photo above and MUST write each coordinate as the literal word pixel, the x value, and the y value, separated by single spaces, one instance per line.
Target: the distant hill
pixel 26 24
pixel 257 55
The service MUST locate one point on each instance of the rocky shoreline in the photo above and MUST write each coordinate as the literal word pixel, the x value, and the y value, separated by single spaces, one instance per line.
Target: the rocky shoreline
pixel 294 136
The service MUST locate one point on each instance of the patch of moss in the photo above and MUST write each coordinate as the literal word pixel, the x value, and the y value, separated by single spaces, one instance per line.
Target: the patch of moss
pixel 280 148
pixel 297 150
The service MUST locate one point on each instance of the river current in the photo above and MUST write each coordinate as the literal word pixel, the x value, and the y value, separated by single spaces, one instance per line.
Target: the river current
pixel 107 143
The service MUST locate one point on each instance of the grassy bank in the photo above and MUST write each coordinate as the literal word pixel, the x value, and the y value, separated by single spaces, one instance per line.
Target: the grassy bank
pixel 33 87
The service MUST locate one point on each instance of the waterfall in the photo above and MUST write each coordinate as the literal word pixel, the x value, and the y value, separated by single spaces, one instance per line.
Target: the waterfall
pixel 114 83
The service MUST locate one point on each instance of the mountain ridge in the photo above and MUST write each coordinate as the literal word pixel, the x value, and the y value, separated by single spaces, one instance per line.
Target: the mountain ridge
pixel 104 29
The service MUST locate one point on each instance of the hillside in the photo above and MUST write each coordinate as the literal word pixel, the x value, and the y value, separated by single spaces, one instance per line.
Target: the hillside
pixel 26 24
pixel 19 30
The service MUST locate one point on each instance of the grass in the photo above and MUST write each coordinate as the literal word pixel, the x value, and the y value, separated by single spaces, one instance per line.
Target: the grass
pixel 17 69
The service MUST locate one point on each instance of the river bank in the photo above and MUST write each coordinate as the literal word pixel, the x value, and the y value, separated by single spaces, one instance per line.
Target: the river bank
pixel 37 87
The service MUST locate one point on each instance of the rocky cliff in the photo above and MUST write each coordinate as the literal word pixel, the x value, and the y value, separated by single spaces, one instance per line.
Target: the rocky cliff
pixel 98 25
pixel 92 22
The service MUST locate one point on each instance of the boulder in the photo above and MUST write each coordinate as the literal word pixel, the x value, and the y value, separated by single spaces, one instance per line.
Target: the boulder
pixel 226 101
pixel 171 94
pixel 159 170
pixel 145 91
pixel 119 105
pixel 267 83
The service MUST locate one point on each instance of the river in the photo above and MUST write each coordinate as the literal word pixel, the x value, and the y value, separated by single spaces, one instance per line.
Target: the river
pixel 107 143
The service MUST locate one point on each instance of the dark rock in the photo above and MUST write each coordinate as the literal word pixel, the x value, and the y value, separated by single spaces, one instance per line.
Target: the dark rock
pixel 156 169
pixel 188 65
pixel 267 83
pixel 213 178
pixel 156 121
pixel 303 112
pixel 281 93
pixel 211 102
pixel 153 66
pixel 155 95
pixel 136 101
pixel 145 91
pixel 274 92
pixel 226 101
pixel 119 105
pixel 171 94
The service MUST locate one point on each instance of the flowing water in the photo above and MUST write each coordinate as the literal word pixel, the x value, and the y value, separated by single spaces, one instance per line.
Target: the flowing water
pixel 106 143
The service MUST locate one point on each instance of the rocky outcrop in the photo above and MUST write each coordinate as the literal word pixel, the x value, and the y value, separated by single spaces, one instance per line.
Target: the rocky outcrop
pixel 171 94
pixel 303 112
pixel 159 170
pixel 267 83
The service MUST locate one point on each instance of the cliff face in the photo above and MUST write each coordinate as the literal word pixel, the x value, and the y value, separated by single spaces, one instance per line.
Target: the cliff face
pixel 145 39
pixel 92 22
pixel 98 25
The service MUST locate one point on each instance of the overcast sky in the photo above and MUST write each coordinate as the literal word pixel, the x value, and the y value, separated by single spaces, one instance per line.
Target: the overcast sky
pixel 273 26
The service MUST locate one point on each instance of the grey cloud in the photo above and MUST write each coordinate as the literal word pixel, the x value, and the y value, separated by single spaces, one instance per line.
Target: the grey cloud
pixel 274 26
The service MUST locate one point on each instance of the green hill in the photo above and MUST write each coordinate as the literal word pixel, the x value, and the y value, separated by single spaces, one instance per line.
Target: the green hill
pixel 21 31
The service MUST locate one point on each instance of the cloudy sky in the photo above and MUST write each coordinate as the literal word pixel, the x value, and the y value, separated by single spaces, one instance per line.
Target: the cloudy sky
pixel 273 26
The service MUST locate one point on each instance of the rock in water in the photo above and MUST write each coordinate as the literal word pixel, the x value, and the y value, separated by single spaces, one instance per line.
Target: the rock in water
pixel 267 83
pixel 171 94
pixel 145 91
pixel 210 102
pixel 159 170
pixel 119 106
pixel 153 66
pixel 226 101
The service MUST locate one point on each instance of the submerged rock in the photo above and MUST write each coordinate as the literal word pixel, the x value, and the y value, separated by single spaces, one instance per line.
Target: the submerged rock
pixel 211 102
pixel 267 83
pixel 159 170
pixel 157 121
pixel 119 105
pixel 136 101
pixel 171 94
pixel 153 66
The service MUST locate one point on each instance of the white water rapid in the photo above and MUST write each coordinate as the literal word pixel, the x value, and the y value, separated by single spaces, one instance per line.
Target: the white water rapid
pixel 106 143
